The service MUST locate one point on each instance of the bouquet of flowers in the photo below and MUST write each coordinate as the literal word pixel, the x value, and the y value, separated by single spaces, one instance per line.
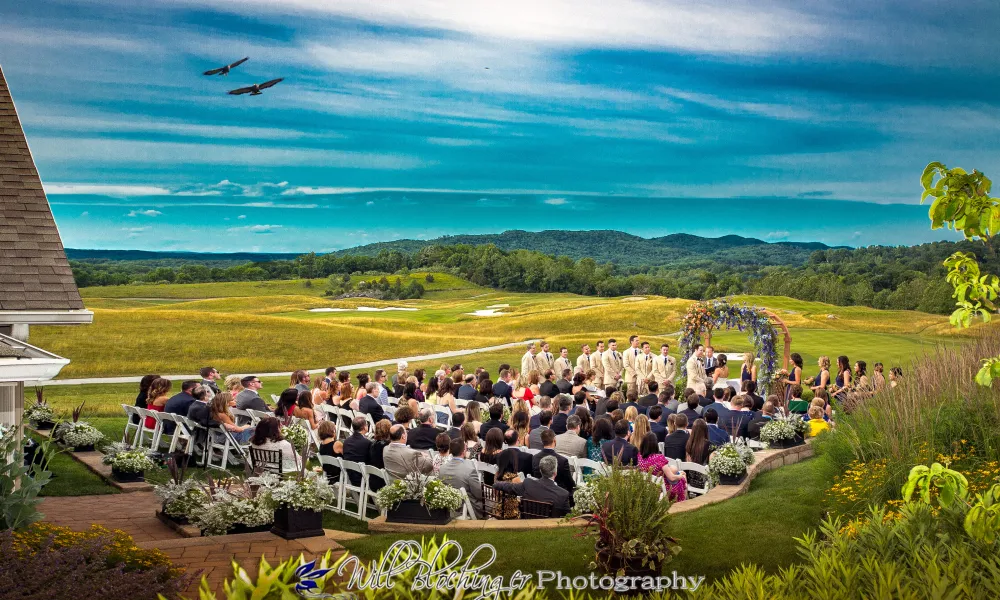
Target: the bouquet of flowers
pixel 309 492
pixel 123 457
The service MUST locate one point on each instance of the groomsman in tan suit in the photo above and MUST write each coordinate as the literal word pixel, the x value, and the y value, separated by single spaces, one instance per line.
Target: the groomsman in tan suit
pixel 562 363
pixel 697 380
pixel 630 360
pixel 597 363
pixel 528 363
pixel 583 361
pixel 544 360
pixel 644 368
pixel 664 367
pixel 612 362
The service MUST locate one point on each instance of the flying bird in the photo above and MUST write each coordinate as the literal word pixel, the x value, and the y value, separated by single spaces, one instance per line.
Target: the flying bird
pixel 255 89
pixel 226 69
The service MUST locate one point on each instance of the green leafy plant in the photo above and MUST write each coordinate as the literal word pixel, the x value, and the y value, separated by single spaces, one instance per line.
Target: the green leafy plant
pixel 39 412
pixel 310 491
pixel 935 481
pixel 20 485
pixel 77 433
pixel 982 522
pixel 123 457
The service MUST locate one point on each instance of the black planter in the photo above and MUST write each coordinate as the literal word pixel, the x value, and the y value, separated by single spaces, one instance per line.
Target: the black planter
pixel 292 523
pixel 731 480
pixel 241 528
pixel 411 511
pixel 181 520
pixel 781 444
pixel 612 562
pixel 127 476
pixel 44 425
pixel 87 448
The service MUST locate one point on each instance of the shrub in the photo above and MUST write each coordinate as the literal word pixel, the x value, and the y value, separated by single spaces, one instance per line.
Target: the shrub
pixel 125 458
pixel 20 485
pixel 38 413
pixel 310 492
pixel 78 433
pixel 432 493
pixel 730 459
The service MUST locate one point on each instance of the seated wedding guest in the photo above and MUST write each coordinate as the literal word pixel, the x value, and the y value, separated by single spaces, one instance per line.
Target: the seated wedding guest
pixel 406 417
pixel 716 435
pixel 473 414
pixel 329 446
pixel 304 409
pixel 548 386
pixel 472 443
pixel 446 396
pixel 541 490
pixel 178 404
pixel 559 419
pixel 619 449
pixel 379 443
pixel 675 442
pixel 827 407
pixel 157 397
pixel 658 428
pixel 580 403
pixel 467 391
pixel 631 414
pixel 209 375
pixel 300 380
pixel 142 398
pixel 496 420
pixel 492 446
pixel 738 418
pixel 750 389
pixel 821 404
pixel 425 435
pixel 200 412
pixel 604 431
pixel 401 460
pixel 369 405
pixel 632 398
pixel 817 424
pixel 667 399
pixel 619 415
pixel 455 431
pixel 535 436
pixel 563 383
pixel 320 392
pixel 778 402
pixel 795 402
pixel 654 463
pixel 586 424
pixel 460 474
pixel 286 403
pixel 762 418
pixel 419 377
pixel 718 404
pixel 544 404
pixel 442 443
pixel 233 385
pixel 485 391
pixel 579 384
pixel 363 380
pixel 693 411
pixel 219 411
pixel 502 388
pixel 564 478
pixel 698 446
pixel 345 392
pixel 267 436
pixel 519 423
pixel 531 389
pixel 652 398
pixel 570 443
pixel 639 430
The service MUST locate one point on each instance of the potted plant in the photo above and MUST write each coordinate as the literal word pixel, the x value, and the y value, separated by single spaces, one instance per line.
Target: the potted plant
pixel 418 499
pixel 728 463
pixel 297 436
pixel 39 414
pixel 225 506
pixel 784 432
pixel 298 502
pixel 630 520
pixel 127 464
pixel 81 436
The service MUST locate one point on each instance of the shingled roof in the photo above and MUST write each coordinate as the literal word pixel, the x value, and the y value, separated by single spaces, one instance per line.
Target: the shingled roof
pixel 34 272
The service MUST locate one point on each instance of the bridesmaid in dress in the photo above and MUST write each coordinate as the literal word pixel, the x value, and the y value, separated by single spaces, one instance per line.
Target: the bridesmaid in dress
pixel 794 376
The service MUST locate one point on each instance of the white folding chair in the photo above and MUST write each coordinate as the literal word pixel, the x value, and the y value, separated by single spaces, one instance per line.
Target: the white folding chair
pixel 461 403
pixel 578 464
pixel 347 487
pixel 242 417
pixel 274 399
pixel 483 467
pixel 371 494
pixel 132 423
pixel 660 446
pixel 333 461
pixel 162 418
pixel 140 438
pixel 182 433
pixel 756 445
pixel 393 401
pixel 442 412
pixel 221 442
pixel 344 418
pixel 191 433
pixel 257 415
pixel 696 468
pixel 468 513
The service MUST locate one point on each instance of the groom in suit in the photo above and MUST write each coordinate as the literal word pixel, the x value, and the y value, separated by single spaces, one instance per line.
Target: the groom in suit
pixel 697 379
pixel 612 362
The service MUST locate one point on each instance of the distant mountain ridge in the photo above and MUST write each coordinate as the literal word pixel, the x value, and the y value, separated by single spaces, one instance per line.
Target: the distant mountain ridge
pixel 602 246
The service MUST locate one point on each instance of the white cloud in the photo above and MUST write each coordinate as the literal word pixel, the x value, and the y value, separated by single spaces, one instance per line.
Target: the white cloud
pixel 458 142
pixel 241 217
pixel 777 235
pixel 85 213
pixel 255 229
pixel 370 203
pixel 98 189
pixel 136 229
pixel 556 201
pixel 145 213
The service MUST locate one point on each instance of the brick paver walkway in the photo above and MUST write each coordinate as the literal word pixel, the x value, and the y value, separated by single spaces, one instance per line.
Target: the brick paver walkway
pixel 132 513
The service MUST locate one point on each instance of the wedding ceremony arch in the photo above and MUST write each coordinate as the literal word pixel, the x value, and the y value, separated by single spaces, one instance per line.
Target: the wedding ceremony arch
pixel 704 317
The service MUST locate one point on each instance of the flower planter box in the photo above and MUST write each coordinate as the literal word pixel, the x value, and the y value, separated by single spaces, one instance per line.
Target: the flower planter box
pixel 292 523
pixel 731 479
pixel 87 448
pixel 127 476
pixel 44 425
pixel 782 444
pixel 241 528
pixel 411 511
pixel 181 520
pixel 613 563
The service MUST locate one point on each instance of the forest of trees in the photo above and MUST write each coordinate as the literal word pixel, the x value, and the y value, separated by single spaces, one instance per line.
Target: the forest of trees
pixel 882 277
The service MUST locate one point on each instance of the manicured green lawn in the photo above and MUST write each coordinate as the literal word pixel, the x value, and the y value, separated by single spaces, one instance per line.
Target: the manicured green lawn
pixel 71 478
pixel 758 527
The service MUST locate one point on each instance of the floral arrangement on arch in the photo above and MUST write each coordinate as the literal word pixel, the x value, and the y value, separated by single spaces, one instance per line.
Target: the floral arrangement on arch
pixel 719 314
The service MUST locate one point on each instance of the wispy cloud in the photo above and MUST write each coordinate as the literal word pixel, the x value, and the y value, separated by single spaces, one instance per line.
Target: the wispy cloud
pixel 98 189
pixel 259 229
pixel 149 212
pixel 556 201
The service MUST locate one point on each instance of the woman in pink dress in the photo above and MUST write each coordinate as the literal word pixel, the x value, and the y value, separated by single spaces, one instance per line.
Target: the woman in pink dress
pixel 654 462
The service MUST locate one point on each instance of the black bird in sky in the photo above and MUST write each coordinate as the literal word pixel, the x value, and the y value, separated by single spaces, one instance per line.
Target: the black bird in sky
pixel 226 69
pixel 255 89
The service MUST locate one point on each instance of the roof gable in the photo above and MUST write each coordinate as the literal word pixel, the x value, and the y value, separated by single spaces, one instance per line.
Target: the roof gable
pixel 34 272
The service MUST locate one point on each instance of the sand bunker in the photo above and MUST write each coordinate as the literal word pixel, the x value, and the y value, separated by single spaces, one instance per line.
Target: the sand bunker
pixel 360 309
pixel 489 312
pixel 498 306
pixel 633 298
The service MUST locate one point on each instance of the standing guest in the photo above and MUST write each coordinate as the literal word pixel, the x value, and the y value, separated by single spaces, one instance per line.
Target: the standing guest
pixel 369 405
pixel 817 424
pixel 442 443
pixel 467 391
pixel 208 377
pixel 219 412
pixel 559 419
pixel 611 360
pixel 619 449
pixel 159 394
pixel 675 443
pixel 425 435
pixel 329 446
pixel 698 446
pixel 459 473
pixel 267 436
pixel 604 431
pixel 299 380
pixel 664 367
pixel 765 416
pixel 485 391
pixel 654 463
pixel 401 460
pixel 473 445
pixel 562 363
pixel 697 380
pixel 304 409
pixel 748 371
pixel 233 385
pixel 843 382
pixel 878 378
pixel 548 387
pixel 794 377
pixel 502 388
pixel 895 376
pixel 821 381
pixel 658 428
pixel 286 403
pixel 583 362
pixel 564 477
pixel 528 363
pixel 570 443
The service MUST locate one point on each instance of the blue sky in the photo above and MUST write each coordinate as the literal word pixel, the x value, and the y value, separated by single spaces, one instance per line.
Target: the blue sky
pixel 785 120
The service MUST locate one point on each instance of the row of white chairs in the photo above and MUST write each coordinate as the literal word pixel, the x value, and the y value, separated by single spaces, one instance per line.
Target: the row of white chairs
pixel 219 449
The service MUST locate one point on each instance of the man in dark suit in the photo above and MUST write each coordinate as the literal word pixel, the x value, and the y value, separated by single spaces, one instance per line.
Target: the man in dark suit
pixel 200 414
pixel 632 399
pixel 357 447
pixel 544 404
pixel 717 436
pixel 559 420
pixel 422 438
pixel 765 416
pixel 467 391
pixel 455 431
pixel 655 412
pixel 535 436
pixel 650 399
pixel 564 384
pixel 496 420
pixel 178 404
pixel 719 408
pixel 369 405
pixel 619 448
pixel 541 490
pixel 693 410
pixel 502 388
pixel 671 405
pixel 563 477
pixel 739 417
pixel 675 444
pixel 548 387
pixel 750 389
